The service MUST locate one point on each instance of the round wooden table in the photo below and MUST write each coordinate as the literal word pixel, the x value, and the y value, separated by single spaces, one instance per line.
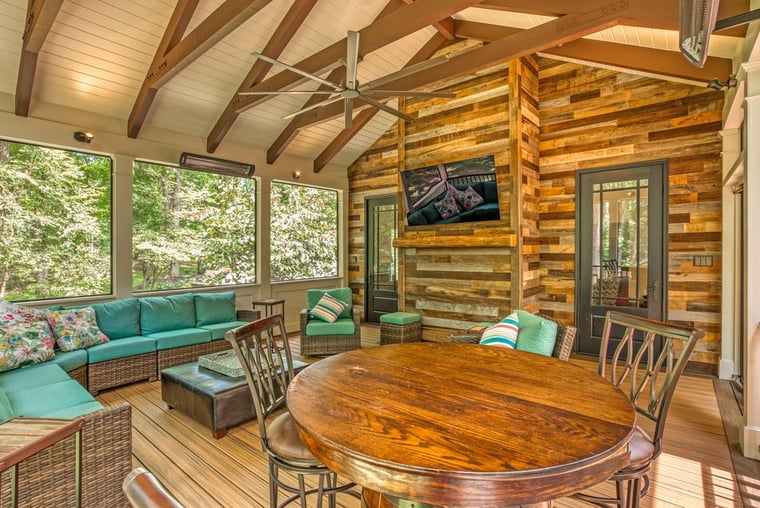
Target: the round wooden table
pixel 461 424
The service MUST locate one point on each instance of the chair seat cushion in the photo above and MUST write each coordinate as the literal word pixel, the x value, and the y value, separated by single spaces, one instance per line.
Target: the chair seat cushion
pixel 120 348
pixel 70 360
pixel 32 377
pixel 400 318
pixel 284 441
pixel 179 338
pixel 342 326
pixel 50 399
pixel 219 329
pixel 641 450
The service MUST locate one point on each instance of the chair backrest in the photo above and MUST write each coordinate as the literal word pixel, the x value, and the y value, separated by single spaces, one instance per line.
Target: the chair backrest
pixel 267 363
pixel 648 378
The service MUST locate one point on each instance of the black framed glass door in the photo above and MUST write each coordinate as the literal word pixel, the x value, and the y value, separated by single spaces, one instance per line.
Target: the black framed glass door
pixel 382 258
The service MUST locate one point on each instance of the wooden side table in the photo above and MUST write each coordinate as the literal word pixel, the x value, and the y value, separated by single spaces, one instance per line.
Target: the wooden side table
pixel 269 306
pixel 20 438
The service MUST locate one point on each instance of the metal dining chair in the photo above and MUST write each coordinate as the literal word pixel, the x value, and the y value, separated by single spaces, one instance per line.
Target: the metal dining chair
pixel 649 379
pixel 264 353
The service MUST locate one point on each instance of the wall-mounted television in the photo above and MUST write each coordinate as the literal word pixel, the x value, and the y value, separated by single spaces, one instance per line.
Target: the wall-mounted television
pixel 461 191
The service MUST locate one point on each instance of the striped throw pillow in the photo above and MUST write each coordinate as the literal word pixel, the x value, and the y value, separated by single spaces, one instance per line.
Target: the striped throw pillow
pixel 328 308
pixel 503 333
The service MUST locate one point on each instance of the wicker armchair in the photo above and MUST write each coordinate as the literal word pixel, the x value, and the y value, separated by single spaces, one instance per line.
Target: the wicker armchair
pixel 562 347
pixel 317 345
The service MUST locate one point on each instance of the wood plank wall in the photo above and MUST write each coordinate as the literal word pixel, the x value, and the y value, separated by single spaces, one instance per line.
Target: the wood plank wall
pixel 595 118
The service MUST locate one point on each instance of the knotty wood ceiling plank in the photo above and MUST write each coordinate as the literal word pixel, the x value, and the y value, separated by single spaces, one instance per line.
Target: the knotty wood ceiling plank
pixel 227 17
pixel 40 16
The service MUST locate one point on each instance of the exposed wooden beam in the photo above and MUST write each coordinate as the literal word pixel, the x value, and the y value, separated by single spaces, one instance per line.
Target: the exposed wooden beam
pixel 648 60
pixel 381 32
pixel 280 38
pixel 539 38
pixel 444 26
pixel 364 116
pixel 227 17
pixel 40 16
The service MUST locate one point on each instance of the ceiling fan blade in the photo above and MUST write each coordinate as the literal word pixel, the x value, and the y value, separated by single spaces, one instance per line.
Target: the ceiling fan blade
pixel 402 73
pixel 387 109
pixel 314 106
pixel 352 59
pixel 349 107
pixel 405 93
pixel 297 70
pixel 291 92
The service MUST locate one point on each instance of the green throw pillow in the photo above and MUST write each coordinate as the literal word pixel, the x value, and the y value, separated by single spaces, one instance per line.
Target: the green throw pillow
pixel 536 334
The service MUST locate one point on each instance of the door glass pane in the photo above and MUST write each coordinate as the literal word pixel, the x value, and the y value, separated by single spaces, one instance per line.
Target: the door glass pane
pixel 385 259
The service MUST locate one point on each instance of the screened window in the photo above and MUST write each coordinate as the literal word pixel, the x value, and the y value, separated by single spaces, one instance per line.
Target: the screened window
pixel 304 232
pixel 55 223
pixel 191 229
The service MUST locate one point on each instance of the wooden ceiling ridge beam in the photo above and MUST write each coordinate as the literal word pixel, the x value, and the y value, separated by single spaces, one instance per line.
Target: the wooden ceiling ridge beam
pixel 539 38
pixel 40 16
pixel 170 61
pixel 444 26
pixel 648 60
pixel 436 42
pixel 381 32
pixel 277 43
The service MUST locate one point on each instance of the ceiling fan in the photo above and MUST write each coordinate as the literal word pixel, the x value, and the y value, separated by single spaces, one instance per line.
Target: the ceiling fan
pixel 350 89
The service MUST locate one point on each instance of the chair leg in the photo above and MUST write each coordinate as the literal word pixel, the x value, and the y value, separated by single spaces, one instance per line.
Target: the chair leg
pixel 302 490
pixel 273 482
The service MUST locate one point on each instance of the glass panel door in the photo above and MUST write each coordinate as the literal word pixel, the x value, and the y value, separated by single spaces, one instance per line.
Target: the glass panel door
pixel 382 257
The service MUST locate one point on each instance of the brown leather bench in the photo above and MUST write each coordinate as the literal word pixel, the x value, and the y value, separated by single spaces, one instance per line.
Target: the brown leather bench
pixel 208 397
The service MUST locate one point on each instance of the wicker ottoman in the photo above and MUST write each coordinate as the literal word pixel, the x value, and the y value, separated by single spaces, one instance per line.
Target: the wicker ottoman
pixel 398 327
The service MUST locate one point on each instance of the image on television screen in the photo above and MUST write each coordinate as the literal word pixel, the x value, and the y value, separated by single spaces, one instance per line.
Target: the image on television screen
pixel 462 191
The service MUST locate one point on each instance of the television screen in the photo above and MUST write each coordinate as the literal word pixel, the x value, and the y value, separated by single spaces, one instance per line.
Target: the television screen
pixel 462 191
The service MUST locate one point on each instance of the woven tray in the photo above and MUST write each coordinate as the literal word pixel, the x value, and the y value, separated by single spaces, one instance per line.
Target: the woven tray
pixel 224 362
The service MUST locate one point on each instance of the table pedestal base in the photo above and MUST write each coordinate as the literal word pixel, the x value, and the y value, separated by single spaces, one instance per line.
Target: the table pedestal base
pixel 374 499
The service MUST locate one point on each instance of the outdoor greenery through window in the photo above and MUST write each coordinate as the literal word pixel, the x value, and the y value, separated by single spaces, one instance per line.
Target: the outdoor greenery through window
pixel 191 229
pixel 55 223
pixel 304 232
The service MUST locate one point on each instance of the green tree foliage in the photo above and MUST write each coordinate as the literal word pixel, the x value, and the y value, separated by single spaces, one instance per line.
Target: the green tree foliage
pixel 55 223
pixel 304 231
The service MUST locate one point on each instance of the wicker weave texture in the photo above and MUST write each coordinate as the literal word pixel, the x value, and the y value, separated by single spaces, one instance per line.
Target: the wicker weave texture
pixel 395 334
pixel 79 375
pixel 120 372
pixel 318 345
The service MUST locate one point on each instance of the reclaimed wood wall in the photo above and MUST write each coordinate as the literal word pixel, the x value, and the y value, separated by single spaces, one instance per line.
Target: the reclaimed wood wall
pixel 596 118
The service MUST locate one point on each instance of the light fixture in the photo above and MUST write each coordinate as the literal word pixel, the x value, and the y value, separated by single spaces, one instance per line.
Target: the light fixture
pixel 214 165
pixel 719 85
pixel 84 137
pixel 296 174
pixel 697 22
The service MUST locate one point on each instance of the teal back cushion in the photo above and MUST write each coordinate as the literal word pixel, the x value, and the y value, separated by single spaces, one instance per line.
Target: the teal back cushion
pixel 164 313
pixel 119 319
pixel 6 411
pixel 342 294
pixel 536 334
pixel 213 308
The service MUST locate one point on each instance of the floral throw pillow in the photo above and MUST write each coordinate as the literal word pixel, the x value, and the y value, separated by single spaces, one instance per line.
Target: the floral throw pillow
pixel 75 328
pixel 468 198
pixel 25 337
pixel 447 206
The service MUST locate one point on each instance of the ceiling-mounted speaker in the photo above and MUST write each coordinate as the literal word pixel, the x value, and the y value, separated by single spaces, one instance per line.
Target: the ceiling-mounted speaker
pixel 697 22
pixel 214 165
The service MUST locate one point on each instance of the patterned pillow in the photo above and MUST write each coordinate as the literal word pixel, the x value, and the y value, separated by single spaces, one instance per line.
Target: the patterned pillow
pixel 25 337
pixel 328 308
pixel 468 198
pixel 503 333
pixel 75 328
pixel 447 206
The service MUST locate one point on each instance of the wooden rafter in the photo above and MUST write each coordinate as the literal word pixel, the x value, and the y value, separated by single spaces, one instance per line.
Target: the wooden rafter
pixel 364 116
pixel 539 38
pixel 380 33
pixel 40 16
pixel 444 26
pixel 273 48
pixel 227 17
pixel 648 60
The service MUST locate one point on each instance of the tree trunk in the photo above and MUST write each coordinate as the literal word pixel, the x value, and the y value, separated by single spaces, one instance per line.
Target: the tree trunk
pixel 175 206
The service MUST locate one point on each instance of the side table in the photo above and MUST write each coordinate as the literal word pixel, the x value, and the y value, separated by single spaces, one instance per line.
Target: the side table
pixel 269 306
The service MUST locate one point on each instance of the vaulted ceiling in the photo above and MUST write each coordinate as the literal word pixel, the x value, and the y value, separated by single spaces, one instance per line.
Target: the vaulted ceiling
pixel 166 66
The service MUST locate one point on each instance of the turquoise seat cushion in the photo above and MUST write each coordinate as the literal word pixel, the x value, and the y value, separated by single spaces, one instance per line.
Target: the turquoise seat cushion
pixel 179 338
pixel 32 377
pixel 43 400
pixel 70 360
pixel 213 308
pixel 343 326
pixel 342 294
pixel 75 411
pixel 219 329
pixel 400 318
pixel 122 348
pixel 119 319
pixel 536 334
pixel 6 411
pixel 164 313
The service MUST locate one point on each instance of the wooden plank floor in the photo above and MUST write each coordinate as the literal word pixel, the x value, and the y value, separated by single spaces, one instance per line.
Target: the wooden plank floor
pixel 694 470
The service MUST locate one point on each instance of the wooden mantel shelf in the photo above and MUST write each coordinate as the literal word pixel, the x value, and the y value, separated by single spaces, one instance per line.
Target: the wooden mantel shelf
pixel 434 239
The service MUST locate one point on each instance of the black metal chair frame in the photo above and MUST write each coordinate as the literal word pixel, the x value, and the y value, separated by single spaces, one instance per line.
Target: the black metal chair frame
pixel 264 353
pixel 649 380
